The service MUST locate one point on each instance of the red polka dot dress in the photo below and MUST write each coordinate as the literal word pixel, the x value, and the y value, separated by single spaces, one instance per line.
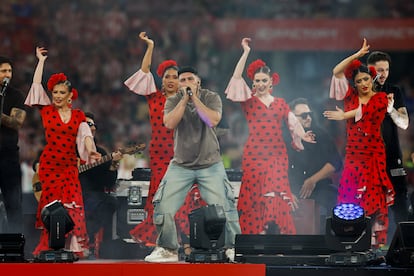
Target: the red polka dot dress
pixel 58 172
pixel 364 179
pixel 265 191
pixel 161 151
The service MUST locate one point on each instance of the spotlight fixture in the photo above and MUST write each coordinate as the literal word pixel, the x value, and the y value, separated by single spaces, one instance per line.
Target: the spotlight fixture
pixel 58 223
pixel 207 234
pixel 348 232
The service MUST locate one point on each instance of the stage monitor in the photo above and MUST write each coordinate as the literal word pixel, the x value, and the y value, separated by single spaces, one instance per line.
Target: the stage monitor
pixel 281 244
pixel 401 250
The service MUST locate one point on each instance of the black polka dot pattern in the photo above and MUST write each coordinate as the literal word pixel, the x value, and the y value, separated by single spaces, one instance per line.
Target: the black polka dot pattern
pixel 364 180
pixel 58 171
pixel 265 166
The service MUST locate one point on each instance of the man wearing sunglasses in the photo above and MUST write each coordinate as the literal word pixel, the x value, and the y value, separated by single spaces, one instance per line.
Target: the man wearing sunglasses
pixel 311 170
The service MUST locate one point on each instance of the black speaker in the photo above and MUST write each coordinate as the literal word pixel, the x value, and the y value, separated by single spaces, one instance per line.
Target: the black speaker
pixel 281 249
pixel 401 251
pixel 12 247
pixel 281 244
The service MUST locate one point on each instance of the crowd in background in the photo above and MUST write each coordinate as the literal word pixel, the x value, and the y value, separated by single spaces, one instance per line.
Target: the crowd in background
pixel 96 43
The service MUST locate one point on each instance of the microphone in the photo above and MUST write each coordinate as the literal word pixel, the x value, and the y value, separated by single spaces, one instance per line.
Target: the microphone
pixel 189 92
pixel 6 81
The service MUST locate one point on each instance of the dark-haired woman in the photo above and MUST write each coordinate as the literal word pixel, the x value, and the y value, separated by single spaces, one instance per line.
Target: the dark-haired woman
pixel 364 179
pixel 265 200
pixel 65 131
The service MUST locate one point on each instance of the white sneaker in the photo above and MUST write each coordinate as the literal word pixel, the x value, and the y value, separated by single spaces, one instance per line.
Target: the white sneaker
pixel 230 253
pixel 162 255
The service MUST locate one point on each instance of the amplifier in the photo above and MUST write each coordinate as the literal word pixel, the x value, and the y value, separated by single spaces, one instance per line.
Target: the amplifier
pixel 144 174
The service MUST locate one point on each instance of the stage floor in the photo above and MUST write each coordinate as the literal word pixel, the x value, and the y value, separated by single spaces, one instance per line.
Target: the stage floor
pixel 129 268
pixel 139 267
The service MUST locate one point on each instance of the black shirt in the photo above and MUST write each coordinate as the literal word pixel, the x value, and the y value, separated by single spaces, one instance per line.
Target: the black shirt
pixel 8 136
pixel 389 129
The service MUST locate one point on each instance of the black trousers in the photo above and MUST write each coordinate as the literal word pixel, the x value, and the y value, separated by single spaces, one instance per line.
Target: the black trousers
pixel 400 207
pixel 99 210
pixel 11 190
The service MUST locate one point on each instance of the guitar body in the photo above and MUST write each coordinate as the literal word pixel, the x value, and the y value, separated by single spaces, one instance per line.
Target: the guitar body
pixel 37 185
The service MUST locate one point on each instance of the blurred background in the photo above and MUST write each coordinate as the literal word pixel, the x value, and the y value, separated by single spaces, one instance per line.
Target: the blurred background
pixel 95 43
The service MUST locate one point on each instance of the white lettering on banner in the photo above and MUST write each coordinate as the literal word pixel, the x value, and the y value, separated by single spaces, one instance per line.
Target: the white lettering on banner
pixel 382 33
pixel 335 34
pixel 296 33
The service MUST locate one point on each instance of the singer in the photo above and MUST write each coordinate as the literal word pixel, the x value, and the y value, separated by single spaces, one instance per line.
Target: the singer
pixel 196 158
pixel 12 117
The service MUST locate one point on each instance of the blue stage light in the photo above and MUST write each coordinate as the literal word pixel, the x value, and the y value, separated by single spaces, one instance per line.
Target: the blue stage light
pixel 348 211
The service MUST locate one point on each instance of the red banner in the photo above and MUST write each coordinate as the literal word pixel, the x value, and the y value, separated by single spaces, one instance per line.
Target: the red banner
pixel 317 34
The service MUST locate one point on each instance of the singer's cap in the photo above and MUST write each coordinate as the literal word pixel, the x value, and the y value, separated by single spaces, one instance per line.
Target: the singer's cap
pixel 187 69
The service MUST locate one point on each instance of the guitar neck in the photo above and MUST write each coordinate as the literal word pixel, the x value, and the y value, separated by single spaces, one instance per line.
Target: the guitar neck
pixel 85 167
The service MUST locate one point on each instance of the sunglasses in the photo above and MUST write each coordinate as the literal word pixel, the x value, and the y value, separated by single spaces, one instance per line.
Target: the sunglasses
pixel 90 124
pixel 304 115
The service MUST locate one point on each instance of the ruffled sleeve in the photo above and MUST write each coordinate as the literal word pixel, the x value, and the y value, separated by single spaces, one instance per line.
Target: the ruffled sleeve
pixel 237 90
pixel 84 131
pixel 338 89
pixel 358 114
pixel 141 83
pixel 296 130
pixel 37 96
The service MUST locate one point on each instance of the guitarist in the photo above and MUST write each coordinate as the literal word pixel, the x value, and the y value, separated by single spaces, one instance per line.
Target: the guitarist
pixel 100 205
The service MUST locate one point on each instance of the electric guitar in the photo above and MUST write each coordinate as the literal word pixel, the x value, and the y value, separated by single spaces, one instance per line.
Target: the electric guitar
pixel 37 186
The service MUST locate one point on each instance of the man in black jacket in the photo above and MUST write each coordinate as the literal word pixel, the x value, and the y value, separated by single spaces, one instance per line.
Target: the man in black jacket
pixel 396 117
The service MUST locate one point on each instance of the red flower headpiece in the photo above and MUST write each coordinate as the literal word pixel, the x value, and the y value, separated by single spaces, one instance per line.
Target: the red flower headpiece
pixel 164 66
pixel 253 67
pixel 275 79
pixel 74 94
pixel 356 65
pixel 60 78
pixel 372 71
pixel 55 79
pixel 256 65
pixel 349 70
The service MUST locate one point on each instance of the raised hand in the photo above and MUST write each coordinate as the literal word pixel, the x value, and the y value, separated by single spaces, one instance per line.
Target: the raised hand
pixel 364 49
pixel 143 36
pixel 41 53
pixel 245 43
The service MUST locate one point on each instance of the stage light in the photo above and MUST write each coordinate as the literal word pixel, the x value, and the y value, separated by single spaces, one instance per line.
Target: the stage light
pixel 348 220
pixel 207 234
pixel 58 223
pixel 348 232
